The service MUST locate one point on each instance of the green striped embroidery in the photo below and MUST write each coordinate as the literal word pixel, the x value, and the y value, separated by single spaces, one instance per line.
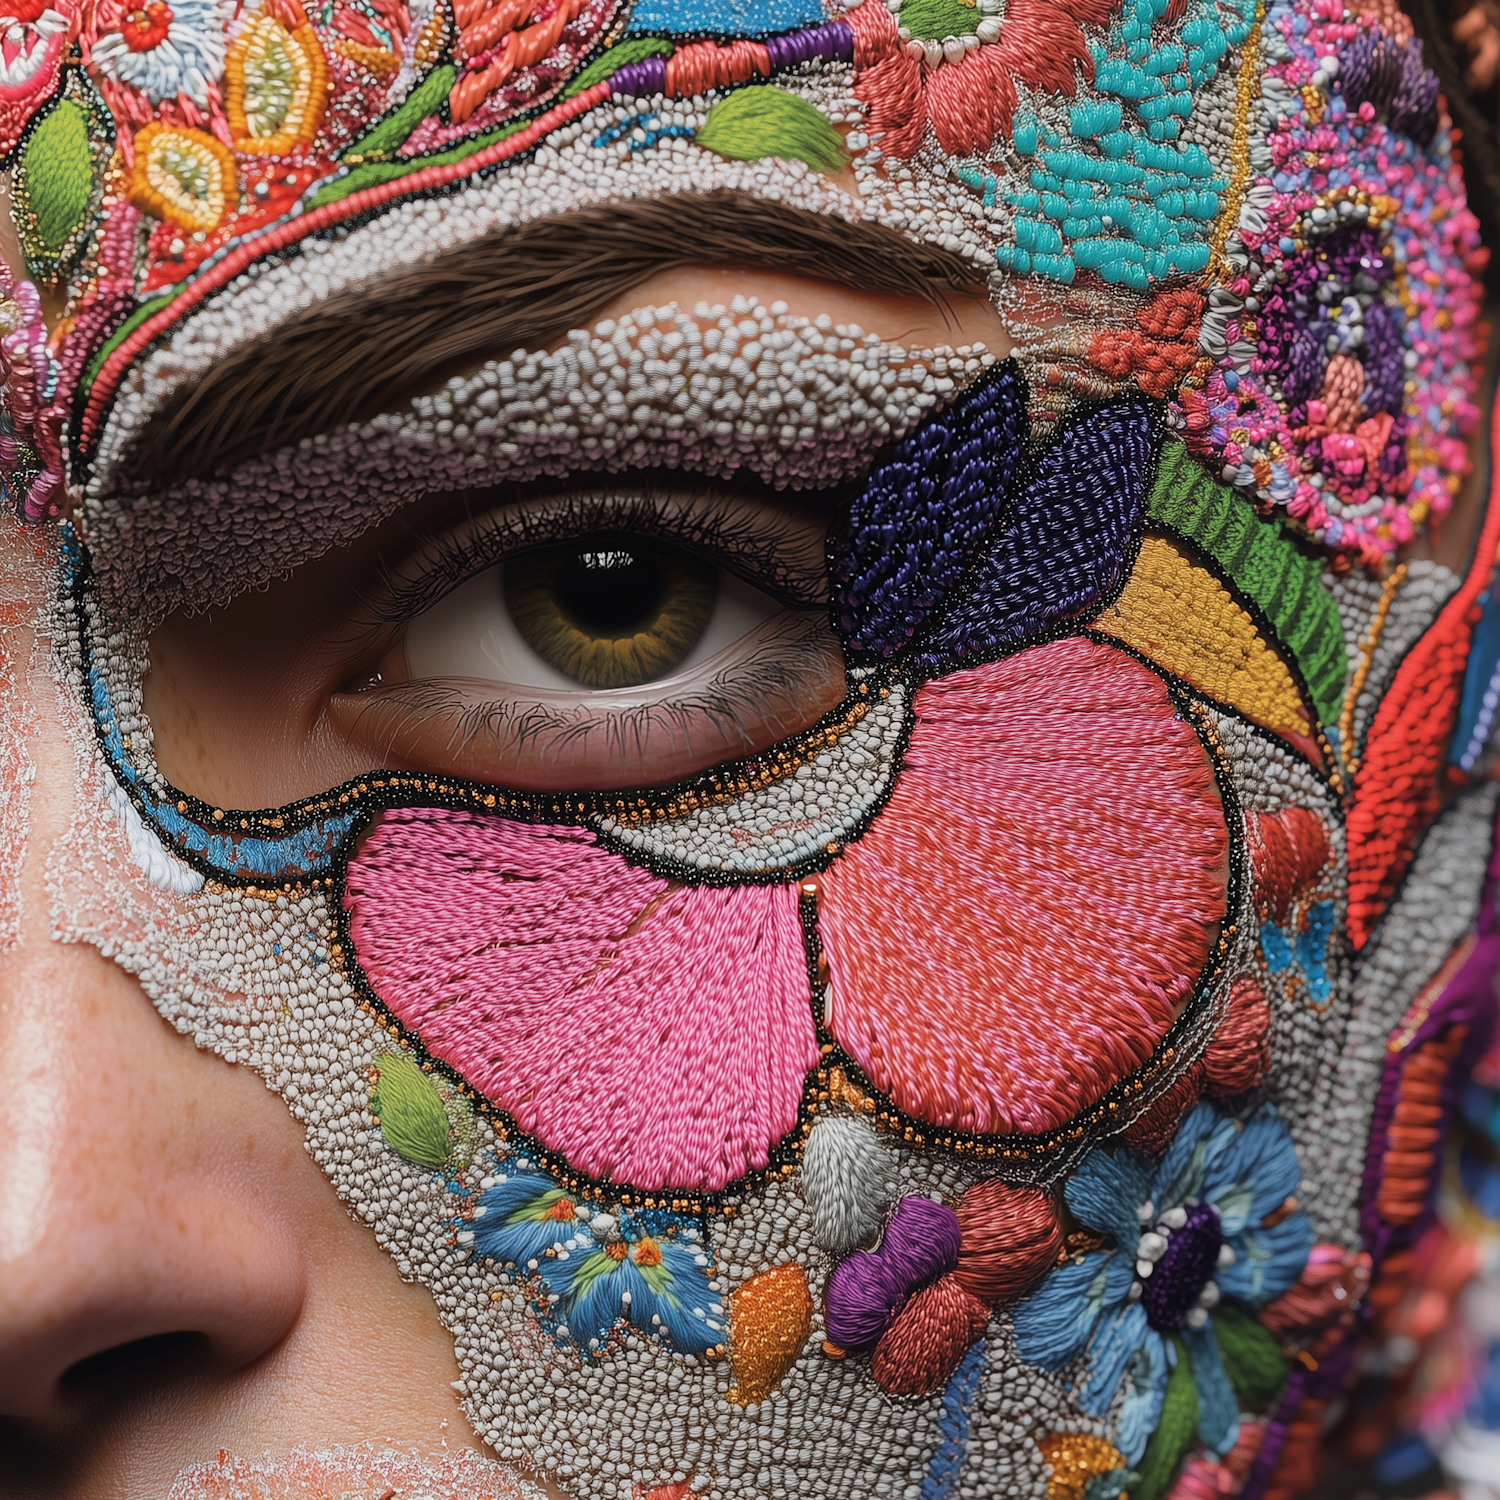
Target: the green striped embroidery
pixel 1263 563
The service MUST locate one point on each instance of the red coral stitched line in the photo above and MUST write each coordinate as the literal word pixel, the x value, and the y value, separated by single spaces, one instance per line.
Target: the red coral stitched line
pixel 1418 1128
pixel 1400 785
pixel 701 66
pixel 485 70
pixel 279 236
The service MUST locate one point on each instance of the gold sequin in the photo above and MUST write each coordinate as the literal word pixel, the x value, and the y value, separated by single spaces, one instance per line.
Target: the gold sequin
pixel 1076 1458
pixel 770 1317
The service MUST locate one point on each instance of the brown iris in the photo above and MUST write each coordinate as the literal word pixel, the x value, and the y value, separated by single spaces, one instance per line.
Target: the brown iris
pixel 611 612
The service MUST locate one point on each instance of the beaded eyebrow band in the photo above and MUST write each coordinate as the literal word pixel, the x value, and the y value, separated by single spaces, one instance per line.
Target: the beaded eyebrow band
pixel 1004 1086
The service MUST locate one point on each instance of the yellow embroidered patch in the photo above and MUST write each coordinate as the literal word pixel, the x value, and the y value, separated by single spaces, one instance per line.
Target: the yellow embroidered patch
pixel 1181 617
pixel 275 82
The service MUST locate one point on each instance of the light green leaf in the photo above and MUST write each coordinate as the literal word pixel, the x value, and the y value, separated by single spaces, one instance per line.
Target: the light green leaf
pixel 59 169
pixel 410 1109
pixel 763 120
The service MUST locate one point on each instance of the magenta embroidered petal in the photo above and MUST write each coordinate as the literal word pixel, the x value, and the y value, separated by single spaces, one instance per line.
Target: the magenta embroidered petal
pixel 651 1034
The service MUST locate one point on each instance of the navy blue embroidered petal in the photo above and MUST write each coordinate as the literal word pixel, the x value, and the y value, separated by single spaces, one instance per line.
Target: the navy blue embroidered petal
pixel 922 515
pixel 1066 547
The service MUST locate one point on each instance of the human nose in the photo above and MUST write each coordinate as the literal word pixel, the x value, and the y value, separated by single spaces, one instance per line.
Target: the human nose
pixel 135 1236
pixel 141 1235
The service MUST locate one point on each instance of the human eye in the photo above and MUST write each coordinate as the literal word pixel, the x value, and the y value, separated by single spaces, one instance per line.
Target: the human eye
pixel 615 637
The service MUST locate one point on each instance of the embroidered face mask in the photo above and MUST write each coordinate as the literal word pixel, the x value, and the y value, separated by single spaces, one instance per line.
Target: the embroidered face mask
pixel 918 1003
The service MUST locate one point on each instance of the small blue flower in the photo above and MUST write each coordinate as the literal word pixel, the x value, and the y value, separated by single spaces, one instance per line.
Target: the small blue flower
pixel 1187 1231
pixel 521 1218
pixel 659 1286
pixel 650 1269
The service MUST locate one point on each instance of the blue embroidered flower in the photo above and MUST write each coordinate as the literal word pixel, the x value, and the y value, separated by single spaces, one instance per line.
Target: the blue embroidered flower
pixel 650 1269
pixel 1207 1222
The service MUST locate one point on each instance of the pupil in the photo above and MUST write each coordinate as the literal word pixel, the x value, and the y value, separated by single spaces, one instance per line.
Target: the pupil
pixel 610 593
pixel 610 611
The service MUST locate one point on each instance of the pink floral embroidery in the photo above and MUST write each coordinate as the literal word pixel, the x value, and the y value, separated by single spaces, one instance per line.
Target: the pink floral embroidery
pixel 1006 940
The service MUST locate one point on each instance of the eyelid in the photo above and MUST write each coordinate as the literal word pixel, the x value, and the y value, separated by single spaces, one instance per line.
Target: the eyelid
pixel 775 548
pixel 772 683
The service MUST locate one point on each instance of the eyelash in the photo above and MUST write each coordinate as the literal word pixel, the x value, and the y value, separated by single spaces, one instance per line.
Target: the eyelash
pixel 751 683
pixel 724 533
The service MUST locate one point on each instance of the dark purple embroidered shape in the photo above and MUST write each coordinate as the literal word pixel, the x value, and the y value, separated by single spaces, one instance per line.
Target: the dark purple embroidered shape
pixel 1177 1280
pixel 923 513
pixel 1066 545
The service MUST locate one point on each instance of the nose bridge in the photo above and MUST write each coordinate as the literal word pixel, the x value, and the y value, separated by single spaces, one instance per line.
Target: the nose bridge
pixel 136 1210
pixel 33 1112
pixel 138 1176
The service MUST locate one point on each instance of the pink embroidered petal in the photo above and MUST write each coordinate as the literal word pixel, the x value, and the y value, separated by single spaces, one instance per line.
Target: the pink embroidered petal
pixel 1028 912
pixel 651 1034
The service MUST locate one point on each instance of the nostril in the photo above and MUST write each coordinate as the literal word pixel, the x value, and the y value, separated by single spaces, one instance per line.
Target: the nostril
pixel 140 1358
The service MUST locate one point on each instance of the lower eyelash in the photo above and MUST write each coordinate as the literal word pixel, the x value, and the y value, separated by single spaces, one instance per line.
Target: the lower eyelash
pixel 781 667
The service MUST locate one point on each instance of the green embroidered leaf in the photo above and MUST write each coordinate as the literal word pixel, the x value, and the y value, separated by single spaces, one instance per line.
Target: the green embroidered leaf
pixel 766 121
pixel 59 169
pixel 1251 1358
pixel 1174 1433
pixel 612 59
pixel 1263 562
pixel 937 20
pixel 371 173
pixel 390 133
pixel 410 1109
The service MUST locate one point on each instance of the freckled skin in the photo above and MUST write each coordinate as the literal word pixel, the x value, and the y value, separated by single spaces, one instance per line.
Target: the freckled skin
pixel 149 1190
pixel 183 1198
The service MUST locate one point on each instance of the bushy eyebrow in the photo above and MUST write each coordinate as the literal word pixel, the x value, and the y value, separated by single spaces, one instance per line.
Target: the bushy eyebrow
pixel 405 332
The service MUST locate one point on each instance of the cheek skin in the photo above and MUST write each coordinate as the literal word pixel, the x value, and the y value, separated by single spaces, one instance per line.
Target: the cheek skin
pixel 176 1275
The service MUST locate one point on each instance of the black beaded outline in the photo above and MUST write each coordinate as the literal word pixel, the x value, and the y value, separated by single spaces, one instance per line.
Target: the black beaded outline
pixel 1062 1144
pixel 1005 1155
pixel 383 789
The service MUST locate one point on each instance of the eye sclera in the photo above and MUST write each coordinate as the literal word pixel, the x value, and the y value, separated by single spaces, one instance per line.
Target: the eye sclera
pixel 775 681
pixel 772 546
pixel 495 711
pixel 474 631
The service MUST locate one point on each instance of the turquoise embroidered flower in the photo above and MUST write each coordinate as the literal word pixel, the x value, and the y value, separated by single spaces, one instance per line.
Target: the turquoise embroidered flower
pixel 1197 1242
pixel 651 1269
